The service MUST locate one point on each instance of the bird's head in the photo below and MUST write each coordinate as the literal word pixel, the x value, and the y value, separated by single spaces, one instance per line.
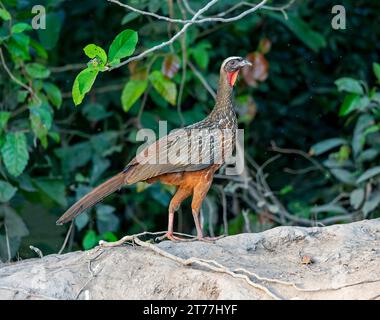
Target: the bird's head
pixel 231 67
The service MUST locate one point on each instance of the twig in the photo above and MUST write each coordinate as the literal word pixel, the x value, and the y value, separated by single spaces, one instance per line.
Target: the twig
pixel 7 242
pixel 68 67
pixel 217 18
pixel 207 264
pixel 13 77
pixel 247 223
pixel 224 206
pixel 303 154
pixel 202 80
pixel 36 250
pixel 194 20
pixel 92 274
pixel 66 238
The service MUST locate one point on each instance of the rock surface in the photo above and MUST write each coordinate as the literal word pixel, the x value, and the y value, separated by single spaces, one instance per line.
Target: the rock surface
pixel 335 262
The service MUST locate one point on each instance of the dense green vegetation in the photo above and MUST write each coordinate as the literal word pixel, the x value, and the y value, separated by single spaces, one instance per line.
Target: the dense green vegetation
pixel 313 98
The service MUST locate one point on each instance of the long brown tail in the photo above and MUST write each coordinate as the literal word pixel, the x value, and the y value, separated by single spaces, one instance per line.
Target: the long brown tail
pixel 92 198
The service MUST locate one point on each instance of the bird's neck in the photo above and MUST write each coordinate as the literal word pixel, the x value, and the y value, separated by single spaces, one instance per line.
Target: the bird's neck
pixel 224 95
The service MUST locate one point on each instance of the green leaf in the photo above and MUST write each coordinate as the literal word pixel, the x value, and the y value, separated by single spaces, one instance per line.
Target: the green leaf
pixel 200 53
pixel 53 188
pixel 370 173
pixel 350 103
pixel 131 92
pixel 93 51
pixel 356 198
pixel 83 83
pixel 106 220
pixel 15 153
pixel 5 15
pixel 7 191
pixel 129 17
pixel 344 176
pixel 49 36
pixel 326 145
pixel 18 46
pixel 108 236
pixel 95 112
pixel 90 240
pixel 123 45
pixel 349 85
pixel 372 203
pixel 165 87
pixel 4 117
pixel 41 120
pixel 53 93
pixel 15 225
pixel 313 39
pixel 37 71
pixel 358 139
pixel 20 27
pixel 376 70
pixel 40 50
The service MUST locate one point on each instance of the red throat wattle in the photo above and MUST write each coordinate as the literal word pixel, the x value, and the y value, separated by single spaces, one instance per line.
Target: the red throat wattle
pixel 232 76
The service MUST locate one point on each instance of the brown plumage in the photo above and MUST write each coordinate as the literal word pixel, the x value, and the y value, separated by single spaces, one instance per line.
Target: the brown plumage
pixel 190 177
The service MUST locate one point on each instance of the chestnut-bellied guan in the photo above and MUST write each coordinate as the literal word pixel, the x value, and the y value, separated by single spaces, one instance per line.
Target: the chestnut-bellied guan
pixel 192 175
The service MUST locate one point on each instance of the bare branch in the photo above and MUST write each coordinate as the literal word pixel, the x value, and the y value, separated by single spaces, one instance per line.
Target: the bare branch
pixel 188 23
pixel 202 80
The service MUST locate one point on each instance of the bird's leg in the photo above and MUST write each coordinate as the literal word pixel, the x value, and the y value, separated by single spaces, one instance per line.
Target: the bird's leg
pixel 200 193
pixel 176 201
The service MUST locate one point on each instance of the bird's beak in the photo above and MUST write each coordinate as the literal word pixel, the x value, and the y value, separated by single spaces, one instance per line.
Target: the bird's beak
pixel 244 63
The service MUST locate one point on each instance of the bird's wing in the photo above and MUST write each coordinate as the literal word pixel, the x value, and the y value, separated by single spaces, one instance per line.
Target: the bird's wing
pixel 182 150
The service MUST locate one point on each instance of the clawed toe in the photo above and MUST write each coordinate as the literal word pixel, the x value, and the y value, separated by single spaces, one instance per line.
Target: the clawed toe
pixel 172 237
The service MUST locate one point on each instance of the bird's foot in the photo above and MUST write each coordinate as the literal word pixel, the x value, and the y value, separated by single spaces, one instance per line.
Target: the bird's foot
pixel 172 237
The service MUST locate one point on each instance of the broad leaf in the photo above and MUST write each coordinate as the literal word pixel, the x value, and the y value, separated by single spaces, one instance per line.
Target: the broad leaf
pixel 313 39
pixel 93 51
pixel 372 203
pixel 53 188
pixel 15 153
pixel 41 120
pixel 370 173
pixel 358 140
pixel 4 117
pixel 83 84
pixel 90 240
pixel 53 93
pixel 350 103
pixel 49 36
pixel 4 14
pixel 20 27
pixel 123 45
pixel 165 87
pixel 376 70
pixel 131 92
pixel 349 85
pixel 37 71
pixel 326 145
pixel 200 53
pixel 344 176
pixel 7 191
pixel 170 65
pixel 259 70
pixel 356 198
pixel 106 220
